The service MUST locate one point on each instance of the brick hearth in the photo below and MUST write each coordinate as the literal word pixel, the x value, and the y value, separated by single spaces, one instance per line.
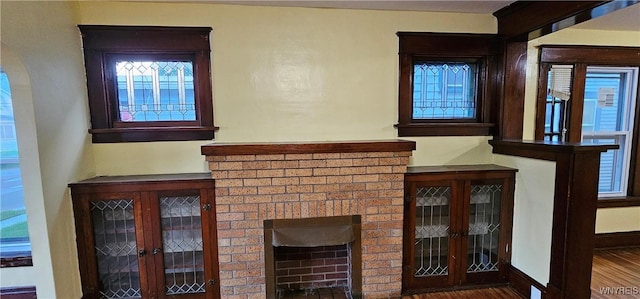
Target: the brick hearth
pixel 255 182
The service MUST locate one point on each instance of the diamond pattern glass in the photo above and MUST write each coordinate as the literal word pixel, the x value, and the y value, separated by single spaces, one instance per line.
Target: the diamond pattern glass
pixel 182 242
pixel 432 231
pixel 484 228
pixel 115 247
pixel 444 90
pixel 155 91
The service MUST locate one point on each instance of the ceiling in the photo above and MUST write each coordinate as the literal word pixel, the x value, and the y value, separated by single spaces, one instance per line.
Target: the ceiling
pixel 627 19
pixel 624 19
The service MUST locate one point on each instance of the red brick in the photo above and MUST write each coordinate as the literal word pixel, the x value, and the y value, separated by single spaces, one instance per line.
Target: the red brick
pixel 313 163
pixel 375 186
pixel 285 181
pixel 339 195
pixel 229 183
pixel 353 170
pixel 379 169
pixel 313 180
pixel 219 174
pixel 340 179
pixel 394 161
pixel 313 196
pixel 244 208
pixel 230 166
pixel 326 188
pixel 298 156
pixel 257 182
pixel 299 188
pixel 230 216
pixel 284 164
pixel 271 189
pixel 285 197
pixel 232 174
pixel 258 199
pixel 256 165
pixel 221 191
pixel 243 191
pixel 298 172
pixel 352 187
pixel 270 157
pixel 269 173
pixel 326 171
pixel 366 162
pixel 326 156
pixel 240 158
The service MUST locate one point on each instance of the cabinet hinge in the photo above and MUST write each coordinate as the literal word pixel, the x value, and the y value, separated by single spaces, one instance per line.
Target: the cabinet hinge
pixel 206 207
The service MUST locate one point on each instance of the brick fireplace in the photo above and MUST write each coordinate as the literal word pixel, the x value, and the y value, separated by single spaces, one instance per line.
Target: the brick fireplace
pixel 270 181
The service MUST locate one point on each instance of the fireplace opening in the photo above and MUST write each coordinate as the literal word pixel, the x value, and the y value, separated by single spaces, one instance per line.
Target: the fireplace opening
pixel 313 257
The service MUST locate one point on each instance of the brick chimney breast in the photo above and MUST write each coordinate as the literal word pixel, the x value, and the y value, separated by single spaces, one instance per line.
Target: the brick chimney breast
pixel 262 181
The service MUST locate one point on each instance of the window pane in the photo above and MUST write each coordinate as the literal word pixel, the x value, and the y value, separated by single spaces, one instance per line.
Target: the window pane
pixel 444 90
pixel 612 163
pixel 608 119
pixel 14 236
pixel 155 91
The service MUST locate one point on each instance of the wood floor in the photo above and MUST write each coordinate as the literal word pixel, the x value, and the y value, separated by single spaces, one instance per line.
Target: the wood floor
pixel 616 275
pixel 491 293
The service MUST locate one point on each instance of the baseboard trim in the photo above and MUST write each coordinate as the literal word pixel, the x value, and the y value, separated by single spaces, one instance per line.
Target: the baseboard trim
pixel 522 282
pixel 617 240
pixel 18 293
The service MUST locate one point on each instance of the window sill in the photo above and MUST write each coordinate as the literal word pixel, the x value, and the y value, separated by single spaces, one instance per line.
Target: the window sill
pixel 18 261
pixel 618 202
pixel 445 129
pixel 145 134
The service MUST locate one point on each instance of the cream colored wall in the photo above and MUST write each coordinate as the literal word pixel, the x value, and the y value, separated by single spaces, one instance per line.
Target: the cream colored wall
pixel 291 74
pixel 608 220
pixel 44 37
pixel 533 212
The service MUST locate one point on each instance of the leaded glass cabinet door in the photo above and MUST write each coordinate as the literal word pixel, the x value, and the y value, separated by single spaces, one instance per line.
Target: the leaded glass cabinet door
pixel 483 239
pixel 116 243
pixel 430 243
pixel 183 247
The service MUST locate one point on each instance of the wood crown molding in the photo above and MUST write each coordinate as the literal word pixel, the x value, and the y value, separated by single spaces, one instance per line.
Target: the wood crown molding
pixel 272 148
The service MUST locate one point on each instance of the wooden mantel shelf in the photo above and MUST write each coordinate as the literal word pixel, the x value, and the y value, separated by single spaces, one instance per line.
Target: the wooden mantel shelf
pixel 272 148
pixel 545 150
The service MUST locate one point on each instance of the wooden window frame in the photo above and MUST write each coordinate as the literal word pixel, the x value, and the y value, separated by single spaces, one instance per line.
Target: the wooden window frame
pixel 482 49
pixel 103 43
pixel 580 57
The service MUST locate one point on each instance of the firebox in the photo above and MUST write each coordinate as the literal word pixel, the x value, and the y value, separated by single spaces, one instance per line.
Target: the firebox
pixel 313 256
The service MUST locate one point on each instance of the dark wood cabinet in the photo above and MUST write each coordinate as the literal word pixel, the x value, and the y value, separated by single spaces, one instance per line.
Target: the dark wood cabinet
pixel 147 236
pixel 457 226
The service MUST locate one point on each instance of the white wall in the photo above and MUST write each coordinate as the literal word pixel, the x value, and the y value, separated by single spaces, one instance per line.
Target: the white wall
pixel 44 37
pixel 533 215
pixel 292 74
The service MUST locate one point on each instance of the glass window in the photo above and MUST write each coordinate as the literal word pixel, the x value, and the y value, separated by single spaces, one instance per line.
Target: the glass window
pixel 444 90
pixel 155 91
pixel 148 83
pixel 14 236
pixel 445 84
pixel 609 99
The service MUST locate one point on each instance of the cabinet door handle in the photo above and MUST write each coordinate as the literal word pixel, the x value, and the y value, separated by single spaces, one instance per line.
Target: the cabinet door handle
pixel 211 282
pixel 142 252
pixel 156 250
pixel 454 235
pixel 206 207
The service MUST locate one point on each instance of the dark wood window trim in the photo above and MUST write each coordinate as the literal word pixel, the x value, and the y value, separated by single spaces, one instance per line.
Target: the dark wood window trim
pixel 103 43
pixel 17 261
pixel 580 57
pixel 425 46
pixel 27 292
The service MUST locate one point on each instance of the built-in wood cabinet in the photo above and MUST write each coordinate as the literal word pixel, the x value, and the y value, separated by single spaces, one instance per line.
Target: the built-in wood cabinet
pixel 457 226
pixel 147 236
